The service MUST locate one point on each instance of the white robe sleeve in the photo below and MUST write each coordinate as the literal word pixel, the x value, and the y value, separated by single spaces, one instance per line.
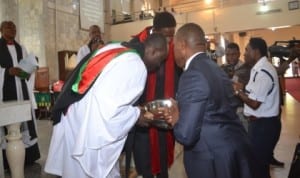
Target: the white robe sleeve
pixel 2 71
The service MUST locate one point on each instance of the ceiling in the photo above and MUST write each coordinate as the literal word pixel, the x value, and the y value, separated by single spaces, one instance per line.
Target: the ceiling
pixel 182 6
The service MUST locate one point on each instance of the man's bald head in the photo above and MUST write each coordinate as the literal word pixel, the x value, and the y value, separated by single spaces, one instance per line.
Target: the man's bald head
pixel 192 34
pixel 189 39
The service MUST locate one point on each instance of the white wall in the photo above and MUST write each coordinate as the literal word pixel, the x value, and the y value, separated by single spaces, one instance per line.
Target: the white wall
pixel 221 20
pixel 123 32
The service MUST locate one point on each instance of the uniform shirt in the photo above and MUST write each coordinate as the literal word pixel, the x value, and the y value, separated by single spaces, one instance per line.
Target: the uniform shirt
pixel 263 86
pixel 88 140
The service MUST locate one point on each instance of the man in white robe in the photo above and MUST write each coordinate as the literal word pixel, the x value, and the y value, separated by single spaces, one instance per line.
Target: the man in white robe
pixel 17 85
pixel 94 41
pixel 90 132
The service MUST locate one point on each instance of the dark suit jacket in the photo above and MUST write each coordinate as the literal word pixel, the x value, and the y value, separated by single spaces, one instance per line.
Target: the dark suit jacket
pixel 215 142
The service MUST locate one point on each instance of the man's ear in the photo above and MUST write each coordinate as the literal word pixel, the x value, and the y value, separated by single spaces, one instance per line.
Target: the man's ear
pixel 257 53
pixel 182 44
pixel 152 50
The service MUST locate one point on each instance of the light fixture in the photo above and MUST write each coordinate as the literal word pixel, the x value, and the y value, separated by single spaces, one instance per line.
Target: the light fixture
pixel 263 8
pixel 279 27
pixel 208 1
pixel 75 4
pixel 294 4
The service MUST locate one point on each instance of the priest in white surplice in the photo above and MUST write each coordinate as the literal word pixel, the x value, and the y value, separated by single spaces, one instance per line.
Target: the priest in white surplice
pixel 94 112
pixel 16 84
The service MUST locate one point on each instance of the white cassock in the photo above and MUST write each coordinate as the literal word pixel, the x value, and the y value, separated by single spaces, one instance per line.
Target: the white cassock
pixel 82 52
pixel 88 140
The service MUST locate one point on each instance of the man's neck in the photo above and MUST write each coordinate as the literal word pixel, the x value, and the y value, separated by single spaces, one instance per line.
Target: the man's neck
pixel 9 40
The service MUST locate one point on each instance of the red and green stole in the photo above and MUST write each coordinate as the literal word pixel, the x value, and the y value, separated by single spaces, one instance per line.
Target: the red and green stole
pixel 82 79
pixel 92 68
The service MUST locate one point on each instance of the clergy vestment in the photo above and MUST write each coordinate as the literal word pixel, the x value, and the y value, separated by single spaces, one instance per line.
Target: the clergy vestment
pixel 14 88
pixel 82 52
pixel 89 136
pixel 153 148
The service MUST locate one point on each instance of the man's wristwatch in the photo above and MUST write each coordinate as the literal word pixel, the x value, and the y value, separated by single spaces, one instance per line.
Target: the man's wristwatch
pixel 237 92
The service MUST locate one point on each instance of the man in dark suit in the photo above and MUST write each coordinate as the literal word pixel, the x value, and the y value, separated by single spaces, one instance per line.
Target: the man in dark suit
pixel 204 118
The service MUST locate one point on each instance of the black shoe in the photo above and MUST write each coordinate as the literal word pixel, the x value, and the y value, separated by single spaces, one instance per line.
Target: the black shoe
pixel 276 163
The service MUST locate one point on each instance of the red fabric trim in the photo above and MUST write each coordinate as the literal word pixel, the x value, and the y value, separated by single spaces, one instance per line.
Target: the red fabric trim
pixel 153 133
pixel 143 34
pixel 170 92
pixel 169 72
pixel 150 95
pixel 95 66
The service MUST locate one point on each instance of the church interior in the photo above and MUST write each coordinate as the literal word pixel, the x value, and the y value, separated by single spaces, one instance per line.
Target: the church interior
pixel 54 30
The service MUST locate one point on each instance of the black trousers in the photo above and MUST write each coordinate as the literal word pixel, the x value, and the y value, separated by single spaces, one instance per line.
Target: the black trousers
pixel 263 134
pixel 142 155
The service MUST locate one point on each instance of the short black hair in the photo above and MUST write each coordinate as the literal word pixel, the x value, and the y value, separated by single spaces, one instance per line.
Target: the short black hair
pixel 163 20
pixel 259 44
pixel 233 45
pixel 5 23
pixel 191 32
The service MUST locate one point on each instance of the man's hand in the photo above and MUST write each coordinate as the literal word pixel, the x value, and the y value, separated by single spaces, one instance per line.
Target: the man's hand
pixel 237 86
pixel 295 53
pixel 145 117
pixel 171 114
pixel 96 43
pixel 282 68
pixel 16 71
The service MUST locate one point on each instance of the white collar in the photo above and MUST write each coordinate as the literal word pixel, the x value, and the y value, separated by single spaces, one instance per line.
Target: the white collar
pixel 260 62
pixel 187 63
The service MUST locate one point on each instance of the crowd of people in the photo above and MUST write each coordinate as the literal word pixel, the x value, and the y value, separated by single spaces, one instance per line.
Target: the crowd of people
pixel 100 111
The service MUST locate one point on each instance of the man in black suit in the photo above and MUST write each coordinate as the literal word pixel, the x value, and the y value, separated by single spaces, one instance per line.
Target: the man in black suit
pixel 204 117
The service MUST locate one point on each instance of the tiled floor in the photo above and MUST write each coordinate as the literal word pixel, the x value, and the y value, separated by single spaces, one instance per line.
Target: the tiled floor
pixel 284 150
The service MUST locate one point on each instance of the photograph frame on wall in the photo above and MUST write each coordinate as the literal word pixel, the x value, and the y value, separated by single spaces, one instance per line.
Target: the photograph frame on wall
pixel 293 5
pixel 91 13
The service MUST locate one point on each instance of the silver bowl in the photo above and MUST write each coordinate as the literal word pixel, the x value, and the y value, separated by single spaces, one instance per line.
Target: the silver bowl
pixel 158 120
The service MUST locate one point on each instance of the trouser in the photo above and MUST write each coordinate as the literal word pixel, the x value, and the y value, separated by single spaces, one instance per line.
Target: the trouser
pixel 142 155
pixel 243 119
pixel 278 132
pixel 263 134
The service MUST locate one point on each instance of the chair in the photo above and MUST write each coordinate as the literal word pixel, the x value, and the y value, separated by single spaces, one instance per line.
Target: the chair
pixel 42 93
pixel 43 100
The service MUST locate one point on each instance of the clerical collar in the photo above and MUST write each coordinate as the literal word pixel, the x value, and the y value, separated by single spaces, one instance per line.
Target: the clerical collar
pixel 10 42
